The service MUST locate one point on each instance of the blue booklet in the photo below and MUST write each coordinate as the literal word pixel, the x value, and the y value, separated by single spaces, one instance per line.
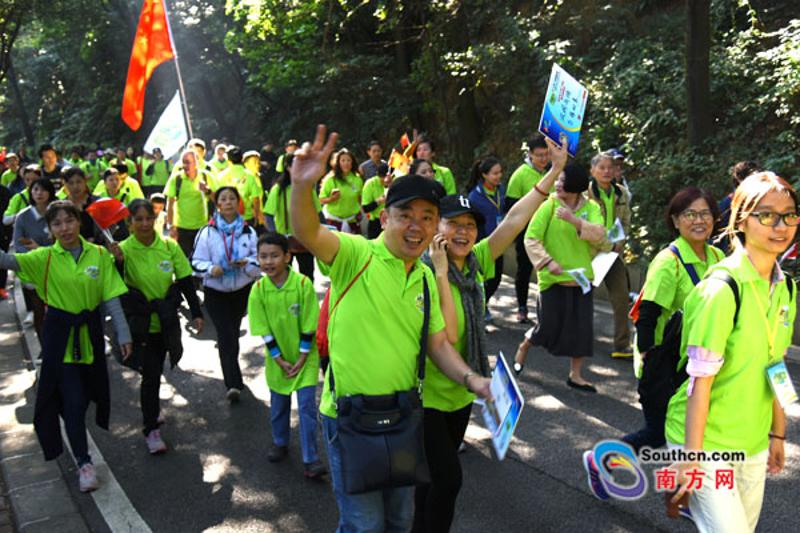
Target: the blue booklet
pixel 501 415
pixel 564 108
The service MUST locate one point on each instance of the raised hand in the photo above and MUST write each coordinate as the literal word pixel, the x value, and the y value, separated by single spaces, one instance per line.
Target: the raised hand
pixel 309 162
pixel 438 252
pixel 558 154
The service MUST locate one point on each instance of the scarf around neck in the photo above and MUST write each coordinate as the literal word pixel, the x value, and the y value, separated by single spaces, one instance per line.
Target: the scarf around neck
pixel 472 301
pixel 231 231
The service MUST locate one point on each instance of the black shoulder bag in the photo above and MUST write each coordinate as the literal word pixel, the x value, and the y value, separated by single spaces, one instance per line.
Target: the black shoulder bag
pixel 381 436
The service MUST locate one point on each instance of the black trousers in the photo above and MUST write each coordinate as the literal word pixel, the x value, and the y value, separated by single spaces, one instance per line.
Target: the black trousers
pixel 305 263
pixel 435 503
pixel 226 310
pixel 490 285
pixel 75 402
pixel 655 391
pixel 152 367
pixel 186 240
pixel 522 279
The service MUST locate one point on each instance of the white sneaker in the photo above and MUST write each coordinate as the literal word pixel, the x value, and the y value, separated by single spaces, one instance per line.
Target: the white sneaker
pixel 28 321
pixel 155 445
pixel 233 395
pixel 87 480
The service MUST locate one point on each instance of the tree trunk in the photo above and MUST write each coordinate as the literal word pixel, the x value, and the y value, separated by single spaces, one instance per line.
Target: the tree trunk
pixel 698 91
pixel 20 104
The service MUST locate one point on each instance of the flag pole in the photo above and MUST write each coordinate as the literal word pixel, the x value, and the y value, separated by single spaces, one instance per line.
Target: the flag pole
pixel 178 70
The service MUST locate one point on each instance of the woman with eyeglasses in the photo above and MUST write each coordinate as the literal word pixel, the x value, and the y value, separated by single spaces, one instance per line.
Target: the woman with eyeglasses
pixel 735 396
pixel 671 276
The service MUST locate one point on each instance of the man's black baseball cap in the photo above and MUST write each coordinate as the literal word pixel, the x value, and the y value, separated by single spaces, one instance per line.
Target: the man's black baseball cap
pixel 414 187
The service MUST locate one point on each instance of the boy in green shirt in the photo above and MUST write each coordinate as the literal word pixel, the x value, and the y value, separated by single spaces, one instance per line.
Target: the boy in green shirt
pixel 283 310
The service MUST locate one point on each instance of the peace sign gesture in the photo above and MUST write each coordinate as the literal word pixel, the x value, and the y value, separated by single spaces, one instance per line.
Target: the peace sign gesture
pixel 309 162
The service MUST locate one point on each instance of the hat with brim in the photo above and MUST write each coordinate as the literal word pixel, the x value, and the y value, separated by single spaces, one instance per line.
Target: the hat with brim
pixel 458 204
pixel 414 187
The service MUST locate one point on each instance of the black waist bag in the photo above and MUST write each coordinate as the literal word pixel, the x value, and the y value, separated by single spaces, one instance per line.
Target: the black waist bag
pixel 381 437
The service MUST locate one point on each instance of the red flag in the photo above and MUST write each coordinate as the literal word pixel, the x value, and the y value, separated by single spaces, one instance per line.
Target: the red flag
pixel 107 211
pixel 151 47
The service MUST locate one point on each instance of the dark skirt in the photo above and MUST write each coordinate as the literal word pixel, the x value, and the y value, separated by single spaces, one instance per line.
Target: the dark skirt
pixel 565 322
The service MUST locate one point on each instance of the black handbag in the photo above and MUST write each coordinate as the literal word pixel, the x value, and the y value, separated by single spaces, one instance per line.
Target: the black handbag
pixel 381 437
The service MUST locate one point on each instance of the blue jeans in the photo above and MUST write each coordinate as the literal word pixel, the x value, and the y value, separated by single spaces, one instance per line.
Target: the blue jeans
pixel 280 410
pixel 389 510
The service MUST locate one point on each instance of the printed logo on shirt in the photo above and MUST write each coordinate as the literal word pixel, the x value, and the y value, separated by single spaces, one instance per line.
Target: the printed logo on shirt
pixel 165 265
pixel 92 271
pixel 294 309
pixel 420 303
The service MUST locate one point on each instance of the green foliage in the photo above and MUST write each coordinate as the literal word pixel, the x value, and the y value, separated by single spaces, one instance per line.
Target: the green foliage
pixel 472 73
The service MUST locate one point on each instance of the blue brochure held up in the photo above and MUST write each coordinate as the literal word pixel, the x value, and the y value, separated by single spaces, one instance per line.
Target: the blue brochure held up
pixel 564 108
pixel 502 414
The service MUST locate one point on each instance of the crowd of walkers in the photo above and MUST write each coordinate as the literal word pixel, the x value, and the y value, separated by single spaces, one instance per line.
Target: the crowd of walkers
pixel 402 245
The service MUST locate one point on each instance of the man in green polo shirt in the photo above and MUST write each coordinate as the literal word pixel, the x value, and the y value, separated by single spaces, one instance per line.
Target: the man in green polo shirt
pixel 525 178
pixel 187 195
pixel 614 200
pixel 378 357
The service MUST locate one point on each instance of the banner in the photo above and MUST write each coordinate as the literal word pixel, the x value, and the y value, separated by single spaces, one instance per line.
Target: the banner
pixel 169 133
pixel 564 108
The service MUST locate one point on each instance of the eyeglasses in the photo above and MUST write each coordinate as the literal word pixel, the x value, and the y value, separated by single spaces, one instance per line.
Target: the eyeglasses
pixel 691 215
pixel 770 218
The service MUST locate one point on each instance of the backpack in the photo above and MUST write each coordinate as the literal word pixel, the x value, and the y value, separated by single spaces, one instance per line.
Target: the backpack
pixel 669 351
pixel 326 311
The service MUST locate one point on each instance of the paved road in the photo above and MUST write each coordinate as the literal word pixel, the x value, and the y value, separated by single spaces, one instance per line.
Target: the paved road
pixel 216 476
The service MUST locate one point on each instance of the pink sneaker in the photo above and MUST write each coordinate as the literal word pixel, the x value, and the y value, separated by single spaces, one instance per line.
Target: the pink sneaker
pixel 87 480
pixel 154 443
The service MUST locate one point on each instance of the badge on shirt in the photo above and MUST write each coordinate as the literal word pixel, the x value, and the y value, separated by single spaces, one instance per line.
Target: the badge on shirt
pixel 781 384
pixel 165 265
pixel 616 233
pixel 294 309
pixel 92 271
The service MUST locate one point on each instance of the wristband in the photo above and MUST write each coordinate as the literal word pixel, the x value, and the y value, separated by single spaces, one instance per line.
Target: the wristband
pixel 466 377
pixel 779 437
pixel 540 191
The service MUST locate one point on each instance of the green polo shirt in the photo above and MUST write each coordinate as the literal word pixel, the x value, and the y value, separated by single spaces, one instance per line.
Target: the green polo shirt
pixel 218 167
pixel 7 177
pixel 153 269
pixel 668 284
pixel 128 163
pixel 560 239
pixel 130 189
pixel 72 286
pixel 349 203
pixel 740 405
pixel 278 206
pixel 18 202
pixel 246 183
pixel 191 207
pixel 376 355
pixel 94 172
pixel 608 202
pixel 373 189
pixel 444 176
pixel 441 392
pixel 522 181
pixel 285 313
pixel 159 176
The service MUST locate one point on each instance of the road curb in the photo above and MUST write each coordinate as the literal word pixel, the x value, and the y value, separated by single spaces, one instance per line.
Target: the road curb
pixel 40 499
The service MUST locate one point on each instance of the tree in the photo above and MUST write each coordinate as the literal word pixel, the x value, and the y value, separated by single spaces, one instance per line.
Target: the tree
pixel 11 17
pixel 698 87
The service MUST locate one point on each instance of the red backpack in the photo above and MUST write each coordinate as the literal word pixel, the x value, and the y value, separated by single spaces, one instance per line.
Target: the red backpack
pixel 326 311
